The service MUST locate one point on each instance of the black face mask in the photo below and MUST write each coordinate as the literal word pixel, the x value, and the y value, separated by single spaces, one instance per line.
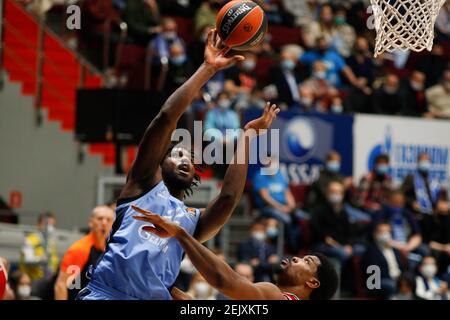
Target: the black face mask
pixel 322 51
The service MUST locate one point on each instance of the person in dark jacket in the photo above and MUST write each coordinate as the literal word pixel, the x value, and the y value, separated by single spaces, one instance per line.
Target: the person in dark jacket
pixel 381 254
pixel 256 251
pixel 331 231
pixel 406 233
pixel 413 92
pixel 387 99
pixel 286 77
pixel 330 172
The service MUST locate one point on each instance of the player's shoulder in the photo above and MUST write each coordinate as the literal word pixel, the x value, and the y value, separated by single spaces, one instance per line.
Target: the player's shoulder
pixel 269 291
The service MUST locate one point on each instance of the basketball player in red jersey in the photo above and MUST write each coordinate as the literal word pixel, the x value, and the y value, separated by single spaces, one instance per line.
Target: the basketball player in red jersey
pixel 311 277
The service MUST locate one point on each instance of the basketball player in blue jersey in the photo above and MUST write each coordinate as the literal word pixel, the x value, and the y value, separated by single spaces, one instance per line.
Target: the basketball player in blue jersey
pixel 311 277
pixel 140 266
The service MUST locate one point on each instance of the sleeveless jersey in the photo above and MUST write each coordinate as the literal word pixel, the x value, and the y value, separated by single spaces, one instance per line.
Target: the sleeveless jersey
pixel 290 296
pixel 138 265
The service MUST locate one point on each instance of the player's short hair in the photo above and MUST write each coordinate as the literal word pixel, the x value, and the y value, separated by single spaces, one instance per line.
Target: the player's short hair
pixel 328 278
pixel 196 180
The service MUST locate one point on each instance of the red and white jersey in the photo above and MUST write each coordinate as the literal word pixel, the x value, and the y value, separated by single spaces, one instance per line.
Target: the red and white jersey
pixel 290 296
pixel 3 280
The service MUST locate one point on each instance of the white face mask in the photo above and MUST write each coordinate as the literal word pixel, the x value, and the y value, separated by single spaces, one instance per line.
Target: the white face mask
pixel 50 229
pixel 390 90
pixel 170 35
pixel 429 271
pixel 24 291
pixel 259 235
pixel 201 290
pixel 416 86
pixel 224 103
pixel 335 198
pixel 384 238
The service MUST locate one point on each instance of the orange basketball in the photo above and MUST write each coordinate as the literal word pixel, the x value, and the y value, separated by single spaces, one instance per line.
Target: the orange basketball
pixel 241 24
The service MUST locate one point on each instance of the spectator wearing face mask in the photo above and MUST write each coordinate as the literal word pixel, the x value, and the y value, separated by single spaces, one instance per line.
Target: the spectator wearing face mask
pixel 412 91
pixel 436 233
pixel 388 99
pixel 428 285
pixel 406 287
pixel 162 43
pixel 20 284
pixel 200 289
pixel 422 191
pixel 406 235
pixel 286 77
pixel 375 186
pixel 325 95
pixel 335 63
pixel 438 97
pixel 344 35
pixel 143 19
pixel 180 69
pixel 272 231
pixel 256 251
pixel 39 256
pixel 330 226
pixel 330 172
pixel 275 200
pixel 222 126
pixel 381 253
pixel 361 61
pixel 241 78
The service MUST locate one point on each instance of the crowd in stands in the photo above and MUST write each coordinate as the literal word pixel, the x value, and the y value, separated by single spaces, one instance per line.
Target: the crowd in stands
pixel 404 230
pixel 319 61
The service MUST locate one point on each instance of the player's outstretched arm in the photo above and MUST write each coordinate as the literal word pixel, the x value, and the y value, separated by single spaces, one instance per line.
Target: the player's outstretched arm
pixel 214 269
pixel 217 213
pixel 155 142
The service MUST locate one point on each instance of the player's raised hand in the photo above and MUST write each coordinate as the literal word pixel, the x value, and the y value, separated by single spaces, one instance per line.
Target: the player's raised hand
pixel 162 227
pixel 215 52
pixel 265 121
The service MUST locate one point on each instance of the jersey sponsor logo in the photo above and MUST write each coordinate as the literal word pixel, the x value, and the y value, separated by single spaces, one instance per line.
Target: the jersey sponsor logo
pixel 153 239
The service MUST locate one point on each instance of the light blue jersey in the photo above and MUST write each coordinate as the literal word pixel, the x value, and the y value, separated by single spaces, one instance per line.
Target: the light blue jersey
pixel 138 264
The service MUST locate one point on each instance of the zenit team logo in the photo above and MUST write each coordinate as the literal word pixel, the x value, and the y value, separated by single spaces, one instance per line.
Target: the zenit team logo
pixel 303 139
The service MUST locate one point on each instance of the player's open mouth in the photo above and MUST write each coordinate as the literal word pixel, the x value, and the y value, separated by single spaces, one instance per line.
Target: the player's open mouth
pixel 284 263
pixel 184 168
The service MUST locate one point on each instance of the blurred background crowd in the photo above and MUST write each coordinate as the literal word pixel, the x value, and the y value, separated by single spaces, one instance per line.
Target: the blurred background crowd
pixel 317 57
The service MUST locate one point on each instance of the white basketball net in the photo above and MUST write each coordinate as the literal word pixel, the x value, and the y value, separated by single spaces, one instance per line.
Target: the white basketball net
pixel 405 24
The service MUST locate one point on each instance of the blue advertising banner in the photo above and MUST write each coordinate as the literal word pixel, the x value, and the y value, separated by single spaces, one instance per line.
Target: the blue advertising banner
pixel 303 142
